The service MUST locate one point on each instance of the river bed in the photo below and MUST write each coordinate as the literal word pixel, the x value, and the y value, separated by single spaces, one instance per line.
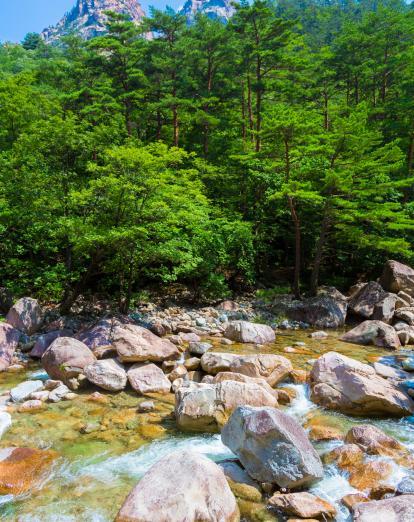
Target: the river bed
pixel 105 447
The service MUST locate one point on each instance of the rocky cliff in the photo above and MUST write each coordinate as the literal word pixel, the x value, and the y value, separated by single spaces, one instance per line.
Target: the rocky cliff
pixel 88 18
pixel 222 10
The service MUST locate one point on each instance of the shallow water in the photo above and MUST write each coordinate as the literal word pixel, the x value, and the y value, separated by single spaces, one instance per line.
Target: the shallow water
pixel 96 470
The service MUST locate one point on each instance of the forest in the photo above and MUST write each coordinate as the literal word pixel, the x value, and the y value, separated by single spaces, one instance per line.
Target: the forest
pixel 275 151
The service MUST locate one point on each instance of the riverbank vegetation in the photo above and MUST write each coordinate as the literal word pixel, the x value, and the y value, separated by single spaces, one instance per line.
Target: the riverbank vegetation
pixel 278 147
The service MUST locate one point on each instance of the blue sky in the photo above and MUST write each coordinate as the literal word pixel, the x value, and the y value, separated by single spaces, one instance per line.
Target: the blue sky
pixel 18 17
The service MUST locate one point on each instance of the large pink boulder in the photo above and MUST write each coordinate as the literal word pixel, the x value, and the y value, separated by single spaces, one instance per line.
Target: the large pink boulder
pixel 183 486
pixel 148 378
pixel 396 509
pixel 349 386
pixel 66 358
pixel 9 339
pixel 44 341
pixel 398 277
pixel 245 332
pixel 374 333
pixel 137 344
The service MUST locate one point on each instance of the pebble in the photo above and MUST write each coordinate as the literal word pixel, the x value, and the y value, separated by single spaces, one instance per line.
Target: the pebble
pixel 146 407
pixel 28 406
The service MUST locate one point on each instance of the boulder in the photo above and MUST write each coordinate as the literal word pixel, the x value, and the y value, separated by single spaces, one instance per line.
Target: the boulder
pixel 25 315
pixel 349 386
pixel 9 339
pixel 108 374
pixel 98 335
pixel 304 505
pixel 148 378
pixel 30 406
pixel 206 407
pixel 213 362
pixel 406 314
pixel 348 457
pixel 24 390
pixel 22 469
pixel 232 376
pixel 272 446
pixel 384 309
pixel 137 344
pixel 183 486
pixel 273 368
pixel 44 341
pixel 199 348
pixel 396 509
pixel 374 441
pixel 245 332
pixel 374 333
pixel 363 302
pixel 66 358
pixel 59 393
pixel 327 310
pixel 398 277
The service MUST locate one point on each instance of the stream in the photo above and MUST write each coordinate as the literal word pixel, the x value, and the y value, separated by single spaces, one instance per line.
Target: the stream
pixel 105 447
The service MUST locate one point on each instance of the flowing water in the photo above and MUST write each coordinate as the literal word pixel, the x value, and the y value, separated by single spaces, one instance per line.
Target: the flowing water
pixel 105 447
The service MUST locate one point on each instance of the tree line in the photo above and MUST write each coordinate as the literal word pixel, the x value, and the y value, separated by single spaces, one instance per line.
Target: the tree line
pixel 277 147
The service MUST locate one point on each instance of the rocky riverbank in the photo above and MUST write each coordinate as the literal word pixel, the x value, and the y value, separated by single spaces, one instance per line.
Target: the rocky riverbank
pixel 294 408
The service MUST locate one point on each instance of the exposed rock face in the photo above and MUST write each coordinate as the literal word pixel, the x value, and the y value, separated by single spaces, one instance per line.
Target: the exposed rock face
pixel 397 509
pixel 137 344
pixel 148 378
pixel 343 384
pixel 206 407
pixel 22 468
pixel 363 302
pixel 303 505
pixel 88 19
pixel 327 310
pixel 66 358
pixel 272 447
pixel 373 332
pixel 398 277
pixel 245 332
pixel 25 315
pixel 9 339
pixel 182 486
pixel 108 374
pixel 221 10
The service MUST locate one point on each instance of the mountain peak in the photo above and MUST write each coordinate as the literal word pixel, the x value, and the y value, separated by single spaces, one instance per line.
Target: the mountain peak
pixel 88 18
pixel 221 10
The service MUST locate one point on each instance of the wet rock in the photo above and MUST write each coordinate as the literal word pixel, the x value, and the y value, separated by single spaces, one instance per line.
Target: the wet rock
pixel 363 302
pixel 406 486
pixel 398 277
pixel 189 337
pixel 40 395
pixel 146 407
pixel 182 486
pixel 272 447
pixel 397 509
pixel 320 433
pixel 21 469
pixel 5 422
pixel 406 314
pixel 136 344
pixel 9 339
pixel 148 378
pixel 370 474
pixel 213 362
pixel 353 498
pixel 388 372
pixel 346 385
pixel 245 332
pixel 179 372
pixel 374 333
pixel 374 441
pixel 44 341
pixel 25 315
pixel 348 457
pixel 31 405
pixel 59 393
pixel 226 342
pixel 320 334
pixel 304 505
pixel 240 483
pixel 108 374
pixel 206 407
pixel 199 348
pixel 406 337
pixel 381 491
pixel 408 364
pixel 66 359
pixel 90 427
pixel 24 390
pixel 273 368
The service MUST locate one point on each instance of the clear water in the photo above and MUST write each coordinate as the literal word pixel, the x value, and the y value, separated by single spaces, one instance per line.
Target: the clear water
pixel 95 471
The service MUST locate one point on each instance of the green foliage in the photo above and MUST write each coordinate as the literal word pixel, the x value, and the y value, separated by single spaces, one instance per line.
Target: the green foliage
pixel 214 156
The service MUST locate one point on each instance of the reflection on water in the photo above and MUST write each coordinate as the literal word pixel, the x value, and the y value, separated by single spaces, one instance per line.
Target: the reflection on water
pixel 97 469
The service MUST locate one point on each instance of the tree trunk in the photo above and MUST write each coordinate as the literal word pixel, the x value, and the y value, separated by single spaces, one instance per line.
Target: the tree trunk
pixel 298 251
pixel 320 244
pixel 243 111
pixel 249 108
